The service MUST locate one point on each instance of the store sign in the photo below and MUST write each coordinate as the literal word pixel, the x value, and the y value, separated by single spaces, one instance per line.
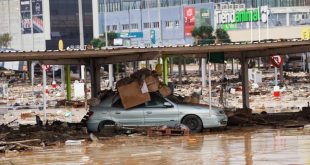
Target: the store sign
pixel 130 35
pixel 25 16
pixel 118 42
pixel 189 20
pixel 153 36
pixel 37 16
pixel 305 33
pixel 202 17
pixel 244 15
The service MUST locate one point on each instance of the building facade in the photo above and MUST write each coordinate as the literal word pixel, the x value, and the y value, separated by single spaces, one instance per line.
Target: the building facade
pixel 144 23
pixel 38 24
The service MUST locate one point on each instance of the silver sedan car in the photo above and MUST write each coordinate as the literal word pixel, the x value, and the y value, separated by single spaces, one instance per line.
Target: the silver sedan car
pixel 158 111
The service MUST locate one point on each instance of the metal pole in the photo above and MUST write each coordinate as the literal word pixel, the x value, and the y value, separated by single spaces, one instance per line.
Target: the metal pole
pixel 111 81
pixel 68 81
pixel 259 26
pixel 63 78
pixel 276 76
pixel 267 22
pixel 203 72
pixel 53 67
pixel 165 69
pixel 32 77
pixel 81 29
pixel 44 91
pixel 251 24
pixel 209 78
pixel 159 21
pixel 31 25
pixel 9 12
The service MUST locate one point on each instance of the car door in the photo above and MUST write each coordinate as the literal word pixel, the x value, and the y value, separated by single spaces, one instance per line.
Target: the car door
pixel 130 117
pixel 160 111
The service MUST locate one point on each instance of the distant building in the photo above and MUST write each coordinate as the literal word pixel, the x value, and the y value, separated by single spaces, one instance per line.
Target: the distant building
pixel 39 24
pixel 139 22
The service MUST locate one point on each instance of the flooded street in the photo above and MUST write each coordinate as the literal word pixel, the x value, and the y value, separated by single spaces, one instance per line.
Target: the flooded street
pixel 267 146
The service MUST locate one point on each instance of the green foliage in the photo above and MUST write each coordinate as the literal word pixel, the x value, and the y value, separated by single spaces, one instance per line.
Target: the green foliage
pixel 205 31
pixel 5 40
pixel 97 43
pixel 222 36
pixel 203 35
pixel 100 42
pixel 202 32
pixel 111 37
pixel 195 32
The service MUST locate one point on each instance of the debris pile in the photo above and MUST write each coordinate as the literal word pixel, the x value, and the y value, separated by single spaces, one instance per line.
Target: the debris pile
pixel 27 137
pixel 134 90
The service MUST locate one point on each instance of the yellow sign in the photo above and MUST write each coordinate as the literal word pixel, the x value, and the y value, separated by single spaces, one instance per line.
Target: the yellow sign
pixel 60 45
pixel 305 33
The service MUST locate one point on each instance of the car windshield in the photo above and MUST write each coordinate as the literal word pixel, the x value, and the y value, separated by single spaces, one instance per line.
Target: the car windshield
pixel 175 99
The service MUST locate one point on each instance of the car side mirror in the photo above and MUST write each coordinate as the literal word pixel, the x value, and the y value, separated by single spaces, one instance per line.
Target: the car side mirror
pixel 168 105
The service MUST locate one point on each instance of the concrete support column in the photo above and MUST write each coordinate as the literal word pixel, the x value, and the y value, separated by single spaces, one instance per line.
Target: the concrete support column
pixel 203 72
pixel 245 82
pixel 29 74
pixel 44 91
pixel 184 66
pixel 94 78
pixel 63 78
pixel 180 70
pixel 165 69
pixel 111 77
pixel 232 66
pixel 32 76
pixel 171 65
pixel 147 65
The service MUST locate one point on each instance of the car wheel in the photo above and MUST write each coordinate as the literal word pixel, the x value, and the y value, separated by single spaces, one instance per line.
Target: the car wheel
pixel 106 128
pixel 193 122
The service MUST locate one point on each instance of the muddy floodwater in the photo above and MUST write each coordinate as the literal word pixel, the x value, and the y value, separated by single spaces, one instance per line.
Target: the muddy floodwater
pixel 266 146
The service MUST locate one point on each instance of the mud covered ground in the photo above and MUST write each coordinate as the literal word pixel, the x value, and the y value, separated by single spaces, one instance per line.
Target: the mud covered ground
pixel 56 133
pixel 241 145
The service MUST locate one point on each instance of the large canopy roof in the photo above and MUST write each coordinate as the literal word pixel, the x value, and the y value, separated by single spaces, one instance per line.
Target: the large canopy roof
pixel 126 54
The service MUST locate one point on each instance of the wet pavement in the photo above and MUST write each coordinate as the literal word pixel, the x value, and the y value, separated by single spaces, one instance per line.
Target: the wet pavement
pixel 265 146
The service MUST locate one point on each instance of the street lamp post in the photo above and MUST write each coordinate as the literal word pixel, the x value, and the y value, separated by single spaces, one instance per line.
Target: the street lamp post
pixel 111 81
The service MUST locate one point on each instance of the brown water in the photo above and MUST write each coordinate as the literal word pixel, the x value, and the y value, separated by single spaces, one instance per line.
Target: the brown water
pixel 266 147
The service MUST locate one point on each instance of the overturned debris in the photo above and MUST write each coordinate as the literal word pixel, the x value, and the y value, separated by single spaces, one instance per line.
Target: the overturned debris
pixel 164 130
pixel 134 90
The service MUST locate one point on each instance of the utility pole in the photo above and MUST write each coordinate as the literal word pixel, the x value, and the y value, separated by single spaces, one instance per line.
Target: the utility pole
pixel 81 29
pixel 159 21
pixel 111 81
